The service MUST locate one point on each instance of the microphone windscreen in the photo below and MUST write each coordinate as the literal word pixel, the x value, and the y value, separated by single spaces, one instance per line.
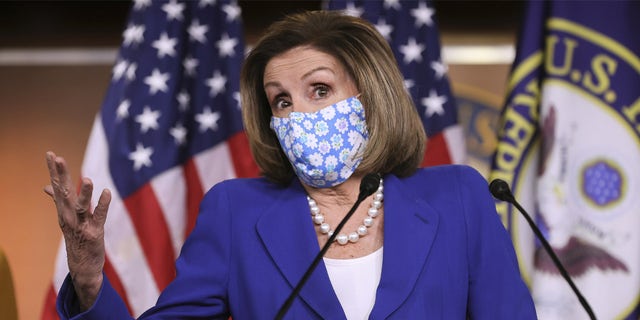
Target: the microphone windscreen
pixel 369 185
pixel 500 190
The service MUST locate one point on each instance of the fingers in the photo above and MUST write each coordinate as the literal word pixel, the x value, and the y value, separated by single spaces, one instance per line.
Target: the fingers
pixel 84 199
pixel 66 185
pixel 50 160
pixel 53 174
pixel 61 190
pixel 73 208
pixel 60 178
pixel 100 212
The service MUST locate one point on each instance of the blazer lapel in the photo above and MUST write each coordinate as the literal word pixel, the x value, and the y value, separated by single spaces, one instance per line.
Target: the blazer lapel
pixel 289 235
pixel 410 225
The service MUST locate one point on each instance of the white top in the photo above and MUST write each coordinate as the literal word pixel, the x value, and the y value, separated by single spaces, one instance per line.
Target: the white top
pixel 355 282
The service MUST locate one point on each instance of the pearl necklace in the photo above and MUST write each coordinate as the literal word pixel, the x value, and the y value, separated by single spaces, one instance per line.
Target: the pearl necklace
pixel 318 218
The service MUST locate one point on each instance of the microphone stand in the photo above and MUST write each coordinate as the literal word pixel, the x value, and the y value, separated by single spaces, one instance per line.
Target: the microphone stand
pixel 500 190
pixel 367 187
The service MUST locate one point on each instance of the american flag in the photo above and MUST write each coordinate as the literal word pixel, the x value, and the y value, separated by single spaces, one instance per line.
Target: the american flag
pixel 411 30
pixel 169 128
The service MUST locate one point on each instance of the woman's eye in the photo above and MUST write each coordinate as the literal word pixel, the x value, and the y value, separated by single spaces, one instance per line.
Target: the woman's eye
pixel 281 104
pixel 321 91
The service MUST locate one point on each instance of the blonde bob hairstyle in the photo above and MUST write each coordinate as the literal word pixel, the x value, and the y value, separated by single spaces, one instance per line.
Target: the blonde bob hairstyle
pixel 396 136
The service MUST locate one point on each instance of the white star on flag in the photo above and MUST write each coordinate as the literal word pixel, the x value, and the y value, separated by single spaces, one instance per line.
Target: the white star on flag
pixel 141 157
pixel 190 65
pixel 173 10
pixel 384 28
pixel 148 119
pixel 157 81
pixel 232 11
pixel 165 45
pixel 217 83
pixel 434 103
pixel 141 4
pixel 226 46
pixel 183 100
pixel 439 68
pixel 423 15
pixel 208 119
pixel 119 69
pixel 204 3
pixel 197 31
pixel 412 51
pixel 133 34
pixel 238 99
pixel 395 4
pixel 123 109
pixel 131 71
pixel 353 10
pixel 408 83
pixel 179 134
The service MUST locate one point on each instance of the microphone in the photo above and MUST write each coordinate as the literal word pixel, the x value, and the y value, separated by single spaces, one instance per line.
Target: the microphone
pixel 368 186
pixel 500 190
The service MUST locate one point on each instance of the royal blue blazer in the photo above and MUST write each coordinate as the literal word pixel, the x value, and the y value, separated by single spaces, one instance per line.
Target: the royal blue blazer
pixel 446 256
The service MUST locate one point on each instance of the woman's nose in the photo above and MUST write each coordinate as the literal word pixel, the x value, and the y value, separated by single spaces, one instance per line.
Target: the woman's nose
pixel 301 105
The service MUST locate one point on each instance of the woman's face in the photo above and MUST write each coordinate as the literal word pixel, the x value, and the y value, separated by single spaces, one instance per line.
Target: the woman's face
pixel 305 80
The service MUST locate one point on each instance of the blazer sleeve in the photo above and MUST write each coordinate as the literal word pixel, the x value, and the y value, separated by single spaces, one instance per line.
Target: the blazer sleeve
pixel 108 304
pixel 199 290
pixel 496 289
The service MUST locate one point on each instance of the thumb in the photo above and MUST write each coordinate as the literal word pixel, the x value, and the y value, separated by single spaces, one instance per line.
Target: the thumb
pixel 48 189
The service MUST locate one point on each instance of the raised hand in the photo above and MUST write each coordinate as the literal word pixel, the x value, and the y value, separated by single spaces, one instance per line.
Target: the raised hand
pixel 82 228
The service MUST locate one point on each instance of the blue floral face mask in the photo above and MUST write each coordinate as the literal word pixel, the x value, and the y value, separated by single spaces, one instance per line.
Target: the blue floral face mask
pixel 325 147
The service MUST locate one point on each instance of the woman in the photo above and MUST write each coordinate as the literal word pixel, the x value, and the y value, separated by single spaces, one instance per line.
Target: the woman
pixel 323 104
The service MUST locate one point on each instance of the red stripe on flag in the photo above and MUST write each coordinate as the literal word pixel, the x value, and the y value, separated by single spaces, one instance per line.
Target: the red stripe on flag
pixel 437 151
pixel 115 282
pixel 153 234
pixel 241 156
pixel 49 312
pixel 194 194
